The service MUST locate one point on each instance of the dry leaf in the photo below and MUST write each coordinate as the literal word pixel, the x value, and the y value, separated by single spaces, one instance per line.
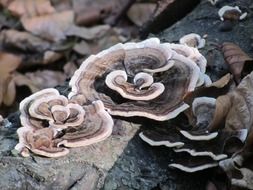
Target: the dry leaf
pixel 109 39
pixel 50 27
pixel 2 86
pixel 62 5
pixel 46 78
pixel 217 88
pixel 88 33
pixel 9 92
pixel 69 69
pixel 88 17
pixel 82 48
pixel 235 57
pixel 23 41
pixel 235 109
pixel 5 3
pixel 139 13
pixel 51 56
pixel 89 12
pixel 8 63
pixel 30 8
pixel 22 80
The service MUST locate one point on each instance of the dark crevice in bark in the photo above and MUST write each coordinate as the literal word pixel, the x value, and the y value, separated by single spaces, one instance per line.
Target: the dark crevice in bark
pixel 167 13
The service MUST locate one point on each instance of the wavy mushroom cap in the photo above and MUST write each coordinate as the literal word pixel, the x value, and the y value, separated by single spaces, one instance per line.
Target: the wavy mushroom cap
pixel 192 40
pixel 117 80
pixel 203 109
pixel 108 76
pixel 49 121
pixel 40 142
pixel 231 13
pixel 191 53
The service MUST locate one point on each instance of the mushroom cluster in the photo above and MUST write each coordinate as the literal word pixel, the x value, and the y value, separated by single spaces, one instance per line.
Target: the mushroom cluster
pixel 146 79
pixel 51 123
pixel 231 13
pixel 193 40
pixel 152 80
pixel 219 131
pixel 230 16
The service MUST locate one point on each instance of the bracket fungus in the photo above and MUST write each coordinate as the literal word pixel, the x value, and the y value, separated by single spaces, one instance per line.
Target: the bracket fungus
pixel 231 13
pixel 117 80
pixel 198 154
pixel 127 70
pixel 213 2
pixel 191 53
pixel 220 133
pixel 194 164
pixel 154 80
pixel 193 40
pixel 49 120
pixel 203 109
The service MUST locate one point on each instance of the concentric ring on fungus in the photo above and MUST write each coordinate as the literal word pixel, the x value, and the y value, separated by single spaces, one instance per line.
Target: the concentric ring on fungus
pixel 50 121
pixel 177 73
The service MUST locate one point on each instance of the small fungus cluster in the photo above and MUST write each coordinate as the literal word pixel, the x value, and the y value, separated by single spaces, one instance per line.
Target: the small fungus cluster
pixel 231 13
pixel 147 79
pixel 51 123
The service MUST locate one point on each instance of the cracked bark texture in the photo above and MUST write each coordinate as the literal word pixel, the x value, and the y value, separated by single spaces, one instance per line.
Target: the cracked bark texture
pixel 123 161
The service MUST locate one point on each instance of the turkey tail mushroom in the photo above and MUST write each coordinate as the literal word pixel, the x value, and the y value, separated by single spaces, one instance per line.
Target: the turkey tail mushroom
pixel 127 69
pixel 49 121
pixel 117 80
pixel 193 40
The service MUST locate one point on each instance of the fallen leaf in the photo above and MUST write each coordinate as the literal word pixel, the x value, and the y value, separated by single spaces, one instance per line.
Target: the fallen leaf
pixel 23 40
pixel 46 78
pixel 22 80
pixel 89 12
pixel 82 48
pixel 2 88
pixel 235 109
pixel 88 33
pixel 9 92
pixel 235 57
pixel 119 10
pixel 51 56
pixel 109 39
pixel 139 13
pixel 88 17
pixel 5 3
pixel 62 5
pixel 30 8
pixel 50 27
pixel 8 63
pixel 216 89
pixel 69 69
pixel 40 58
